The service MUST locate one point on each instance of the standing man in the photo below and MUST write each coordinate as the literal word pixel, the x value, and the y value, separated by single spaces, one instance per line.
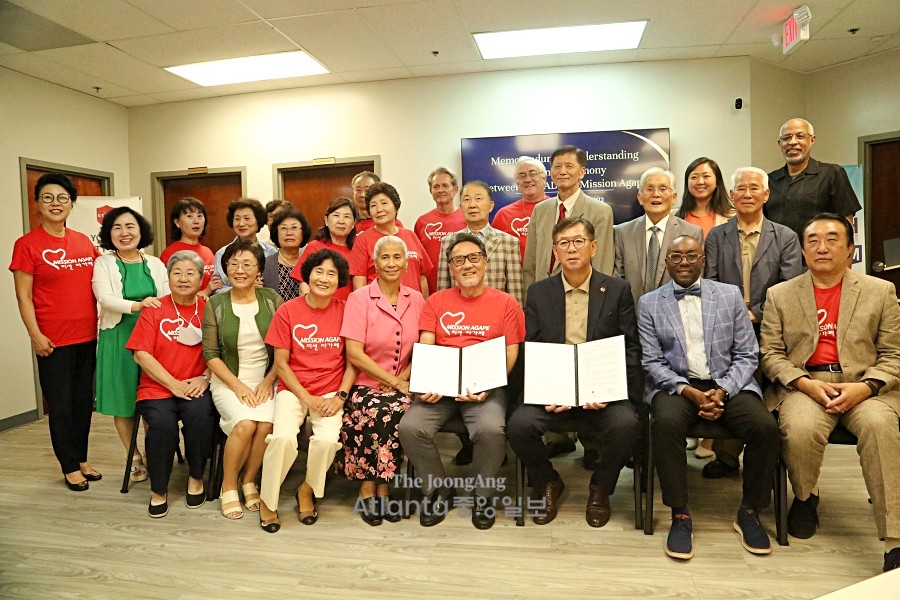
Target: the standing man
pixel 805 187
pixel 504 271
pixel 514 218
pixel 831 346
pixel 432 227
pixel 639 242
pixel 567 168
pixel 579 304
pixel 752 253
pixel 699 355
pixel 475 313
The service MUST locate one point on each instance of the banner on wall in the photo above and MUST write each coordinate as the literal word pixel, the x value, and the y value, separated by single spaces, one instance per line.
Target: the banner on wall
pixel 88 212
pixel 855 175
pixel 615 161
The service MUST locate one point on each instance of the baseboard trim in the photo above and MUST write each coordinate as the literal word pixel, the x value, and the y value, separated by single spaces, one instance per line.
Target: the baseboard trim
pixel 18 420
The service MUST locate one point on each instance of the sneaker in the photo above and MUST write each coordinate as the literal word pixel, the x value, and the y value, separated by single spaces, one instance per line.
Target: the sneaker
pixel 892 560
pixel 802 518
pixel 679 544
pixel 754 538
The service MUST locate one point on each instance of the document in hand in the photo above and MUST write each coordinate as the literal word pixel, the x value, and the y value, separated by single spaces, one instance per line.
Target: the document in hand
pixel 574 375
pixel 452 371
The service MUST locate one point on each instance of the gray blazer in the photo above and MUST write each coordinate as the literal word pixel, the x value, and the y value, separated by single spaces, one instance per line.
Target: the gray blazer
pixel 631 250
pixel 777 259
pixel 538 247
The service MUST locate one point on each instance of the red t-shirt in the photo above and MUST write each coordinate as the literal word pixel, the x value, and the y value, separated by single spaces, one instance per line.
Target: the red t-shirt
pixel 154 332
pixel 361 262
pixel 62 268
pixel 313 247
pixel 313 337
pixel 431 228
pixel 366 223
pixel 457 321
pixel 514 219
pixel 209 259
pixel 828 304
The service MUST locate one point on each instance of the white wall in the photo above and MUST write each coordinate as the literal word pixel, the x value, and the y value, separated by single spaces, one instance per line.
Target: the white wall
pixel 45 122
pixel 776 96
pixel 416 124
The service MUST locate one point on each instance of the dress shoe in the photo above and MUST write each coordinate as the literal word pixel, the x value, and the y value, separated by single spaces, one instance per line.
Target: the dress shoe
pixel 680 543
pixel 546 498
pixel 555 449
pixel 195 500
pixel 591 459
pixel 483 514
pixel 597 511
pixel 717 469
pixel 158 511
pixel 270 525
pixel 307 517
pixel 892 560
pixel 754 538
pixel 92 475
pixel 803 518
pixel 370 513
pixel 76 487
pixel 464 456
pixel 436 506
pixel 386 510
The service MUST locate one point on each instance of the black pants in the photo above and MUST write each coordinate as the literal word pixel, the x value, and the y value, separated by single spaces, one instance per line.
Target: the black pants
pixel 198 418
pixel 67 380
pixel 745 416
pixel 614 427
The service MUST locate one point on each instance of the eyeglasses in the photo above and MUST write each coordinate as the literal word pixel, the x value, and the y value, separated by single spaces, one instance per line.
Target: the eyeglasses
pixel 529 175
pixel 787 138
pixel 677 257
pixel 234 265
pixel 290 229
pixel 474 258
pixel 61 198
pixel 564 244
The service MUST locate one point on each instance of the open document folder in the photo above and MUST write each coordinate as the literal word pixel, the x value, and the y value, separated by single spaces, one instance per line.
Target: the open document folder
pixel 451 371
pixel 576 374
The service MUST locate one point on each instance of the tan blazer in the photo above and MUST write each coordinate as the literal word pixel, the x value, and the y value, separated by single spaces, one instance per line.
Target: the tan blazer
pixel 868 335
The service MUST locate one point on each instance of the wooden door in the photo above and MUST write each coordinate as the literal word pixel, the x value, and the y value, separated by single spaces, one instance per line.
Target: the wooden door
pixel 87 185
pixel 311 189
pixel 215 191
pixel 882 211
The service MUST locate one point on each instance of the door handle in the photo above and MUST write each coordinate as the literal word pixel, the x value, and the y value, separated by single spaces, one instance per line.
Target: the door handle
pixel 878 266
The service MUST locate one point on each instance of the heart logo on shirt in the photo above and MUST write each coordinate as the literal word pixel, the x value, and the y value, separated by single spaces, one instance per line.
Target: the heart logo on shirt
pixel 520 225
pixel 169 328
pixel 306 332
pixel 52 257
pixel 447 320
pixel 433 228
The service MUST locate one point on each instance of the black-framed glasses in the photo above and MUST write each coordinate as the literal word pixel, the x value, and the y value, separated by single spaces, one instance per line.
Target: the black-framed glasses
pixel 563 244
pixel 474 258
pixel 61 198
pixel 677 257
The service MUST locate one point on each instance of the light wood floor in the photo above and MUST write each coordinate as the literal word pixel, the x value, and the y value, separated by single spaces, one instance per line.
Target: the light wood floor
pixel 101 544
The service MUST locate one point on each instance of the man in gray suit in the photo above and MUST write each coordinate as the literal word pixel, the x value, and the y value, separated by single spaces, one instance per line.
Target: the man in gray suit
pixel 754 254
pixel 639 259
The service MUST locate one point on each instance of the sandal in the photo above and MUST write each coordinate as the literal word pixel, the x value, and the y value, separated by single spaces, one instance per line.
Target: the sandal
pixel 138 469
pixel 251 496
pixel 231 505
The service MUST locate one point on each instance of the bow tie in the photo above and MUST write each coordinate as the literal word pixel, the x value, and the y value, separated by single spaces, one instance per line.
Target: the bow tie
pixel 693 290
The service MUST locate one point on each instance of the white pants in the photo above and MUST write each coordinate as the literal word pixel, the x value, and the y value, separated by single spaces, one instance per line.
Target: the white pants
pixel 281 451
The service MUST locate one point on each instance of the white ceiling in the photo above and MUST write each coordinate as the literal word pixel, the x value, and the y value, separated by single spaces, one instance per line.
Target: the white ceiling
pixel 121 46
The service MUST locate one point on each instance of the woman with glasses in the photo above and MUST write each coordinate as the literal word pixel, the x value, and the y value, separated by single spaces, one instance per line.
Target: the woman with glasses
pixel 705 201
pixel 174 383
pixel 188 222
pixel 125 282
pixel 338 234
pixel 289 233
pixel 235 324
pixel 52 268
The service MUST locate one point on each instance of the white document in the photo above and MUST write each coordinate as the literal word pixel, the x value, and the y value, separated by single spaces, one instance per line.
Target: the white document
pixel 574 375
pixel 451 371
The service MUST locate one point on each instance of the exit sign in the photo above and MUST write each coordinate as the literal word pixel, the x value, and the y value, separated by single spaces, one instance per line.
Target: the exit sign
pixel 794 34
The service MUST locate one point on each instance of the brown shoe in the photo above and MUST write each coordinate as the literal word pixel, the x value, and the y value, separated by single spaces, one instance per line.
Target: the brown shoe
pixel 546 499
pixel 597 511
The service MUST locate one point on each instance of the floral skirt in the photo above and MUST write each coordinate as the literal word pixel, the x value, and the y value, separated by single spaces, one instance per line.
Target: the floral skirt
pixel 372 449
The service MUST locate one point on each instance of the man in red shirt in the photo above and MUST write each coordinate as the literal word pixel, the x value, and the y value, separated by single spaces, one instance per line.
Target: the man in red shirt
pixel 466 314
pixel 831 347
pixel 514 218
pixel 432 227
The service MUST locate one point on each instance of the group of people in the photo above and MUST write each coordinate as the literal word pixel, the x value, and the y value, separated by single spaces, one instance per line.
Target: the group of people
pixel 740 303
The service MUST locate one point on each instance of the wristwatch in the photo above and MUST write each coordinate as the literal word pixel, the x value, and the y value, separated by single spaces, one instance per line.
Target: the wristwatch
pixel 341 394
pixel 872 386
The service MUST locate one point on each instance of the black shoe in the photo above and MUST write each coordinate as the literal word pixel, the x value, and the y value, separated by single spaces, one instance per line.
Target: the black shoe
pixel 92 475
pixel 195 500
pixel 483 514
pixel 464 456
pixel 270 527
pixel 76 487
pixel 158 511
pixel 385 509
pixel 555 449
pixel 892 560
pixel 591 460
pixel 370 513
pixel 803 518
pixel 716 469
pixel 436 507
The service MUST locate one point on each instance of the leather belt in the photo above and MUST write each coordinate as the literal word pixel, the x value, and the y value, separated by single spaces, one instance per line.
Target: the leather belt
pixel 832 368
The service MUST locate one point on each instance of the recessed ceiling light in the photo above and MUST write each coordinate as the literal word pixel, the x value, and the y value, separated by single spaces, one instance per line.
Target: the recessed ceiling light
pixel 250 68
pixel 560 40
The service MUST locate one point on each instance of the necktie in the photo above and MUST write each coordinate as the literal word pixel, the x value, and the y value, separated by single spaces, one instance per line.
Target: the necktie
pixel 693 290
pixel 652 261
pixel 562 217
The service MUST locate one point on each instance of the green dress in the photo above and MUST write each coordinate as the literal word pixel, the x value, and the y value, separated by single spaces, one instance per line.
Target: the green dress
pixel 117 373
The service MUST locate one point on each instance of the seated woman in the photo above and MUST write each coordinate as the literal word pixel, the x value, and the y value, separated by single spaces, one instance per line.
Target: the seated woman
pixel 289 233
pixel 234 326
pixel 188 225
pixel 124 282
pixel 313 381
pixel 174 383
pixel 337 234
pixel 381 324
